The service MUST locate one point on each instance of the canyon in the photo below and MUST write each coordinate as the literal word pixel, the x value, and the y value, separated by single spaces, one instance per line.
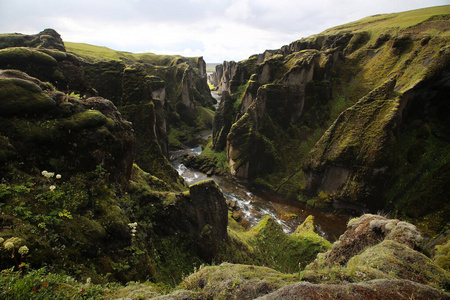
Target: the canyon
pixel 352 122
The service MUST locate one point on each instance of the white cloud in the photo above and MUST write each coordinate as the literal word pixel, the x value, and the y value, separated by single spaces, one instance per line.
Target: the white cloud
pixel 216 29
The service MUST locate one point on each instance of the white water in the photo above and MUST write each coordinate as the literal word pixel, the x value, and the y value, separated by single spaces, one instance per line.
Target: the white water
pixel 251 207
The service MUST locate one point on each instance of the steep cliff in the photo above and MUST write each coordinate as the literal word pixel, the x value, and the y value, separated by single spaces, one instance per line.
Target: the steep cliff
pixel 352 117
pixel 70 190
pixel 166 98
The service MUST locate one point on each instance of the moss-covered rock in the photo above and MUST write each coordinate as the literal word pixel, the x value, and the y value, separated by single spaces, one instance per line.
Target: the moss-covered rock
pixel 393 260
pixel 46 39
pixel 375 289
pixel 442 256
pixel 367 231
pixel 267 244
pixel 222 122
pixel 19 96
pixel 234 281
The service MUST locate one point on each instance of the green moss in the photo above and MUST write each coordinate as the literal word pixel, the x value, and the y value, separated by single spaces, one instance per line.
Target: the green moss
pixel 86 119
pixel 267 244
pixel 442 256
pixel 22 96
pixel 392 22
pixel 21 55
pixel 392 260
pixel 235 281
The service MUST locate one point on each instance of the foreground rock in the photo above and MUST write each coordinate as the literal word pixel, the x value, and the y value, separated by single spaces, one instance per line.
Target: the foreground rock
pixel 373 259
pixel 376 289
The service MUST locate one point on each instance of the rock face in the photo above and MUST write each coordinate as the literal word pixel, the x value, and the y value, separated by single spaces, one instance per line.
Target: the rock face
pixel 222 122
pixel 368 231
pixel 344 160
pixel 43 128
pixel 85 214
pixel 207 213
pixel 376 289
pixel 44 56
pixel 347 118
pixel 160 95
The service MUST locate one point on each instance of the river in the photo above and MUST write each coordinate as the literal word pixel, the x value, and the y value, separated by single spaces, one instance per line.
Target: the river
pixel 254 204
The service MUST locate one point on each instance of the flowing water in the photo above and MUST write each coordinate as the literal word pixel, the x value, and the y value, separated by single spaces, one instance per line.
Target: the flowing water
pixel 254 204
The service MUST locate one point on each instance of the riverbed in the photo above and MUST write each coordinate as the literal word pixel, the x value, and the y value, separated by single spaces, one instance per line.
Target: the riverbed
pixel 254 204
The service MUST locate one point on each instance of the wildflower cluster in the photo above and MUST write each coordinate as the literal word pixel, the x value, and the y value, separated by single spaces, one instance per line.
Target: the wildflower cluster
pixel 133 228
pixel 49 175
pixel 13 243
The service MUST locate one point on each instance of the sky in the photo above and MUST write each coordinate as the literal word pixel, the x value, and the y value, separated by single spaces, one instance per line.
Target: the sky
pixel 218 30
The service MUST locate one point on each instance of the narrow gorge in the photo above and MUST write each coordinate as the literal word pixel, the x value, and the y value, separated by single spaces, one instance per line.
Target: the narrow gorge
pixel 319 170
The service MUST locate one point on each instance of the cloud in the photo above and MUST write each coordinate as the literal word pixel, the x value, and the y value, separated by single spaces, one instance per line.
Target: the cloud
pixel 216 29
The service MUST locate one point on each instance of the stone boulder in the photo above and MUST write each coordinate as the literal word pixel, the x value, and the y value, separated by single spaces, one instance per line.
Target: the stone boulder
pixel 376 289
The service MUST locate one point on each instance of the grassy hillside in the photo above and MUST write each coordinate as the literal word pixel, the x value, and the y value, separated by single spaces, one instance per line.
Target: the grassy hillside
pixel 395 22
pixel 94 53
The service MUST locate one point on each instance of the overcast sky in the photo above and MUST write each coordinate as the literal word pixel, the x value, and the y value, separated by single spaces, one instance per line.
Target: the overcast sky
pixel 218 30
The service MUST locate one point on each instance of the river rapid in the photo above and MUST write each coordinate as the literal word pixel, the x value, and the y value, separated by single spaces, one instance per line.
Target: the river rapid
pixel 254 204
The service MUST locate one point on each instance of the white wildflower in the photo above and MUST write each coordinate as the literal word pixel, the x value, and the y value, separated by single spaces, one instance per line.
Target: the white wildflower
pixel 23 250
pixel 8 246
pixel 52 188
pixel 47 174
pixel 58 176
pixel 133 228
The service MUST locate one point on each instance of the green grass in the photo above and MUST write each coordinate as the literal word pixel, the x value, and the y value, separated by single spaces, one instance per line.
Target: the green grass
pixel 94 53
pixel 386 23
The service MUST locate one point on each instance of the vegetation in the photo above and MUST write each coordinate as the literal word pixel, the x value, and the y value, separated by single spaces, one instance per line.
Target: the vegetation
pixel 89 201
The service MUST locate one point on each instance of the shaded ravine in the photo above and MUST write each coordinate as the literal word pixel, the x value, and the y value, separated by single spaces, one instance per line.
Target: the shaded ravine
pixel 254 204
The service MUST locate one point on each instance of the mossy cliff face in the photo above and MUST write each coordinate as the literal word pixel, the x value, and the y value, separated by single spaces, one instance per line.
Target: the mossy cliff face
pixel 69 216
pixel 45 128
pixel 336 112
pixel 353 158
pixel 93 213
pixel 222 122
pixel 44 56
pixel 165 97
pixel 178 84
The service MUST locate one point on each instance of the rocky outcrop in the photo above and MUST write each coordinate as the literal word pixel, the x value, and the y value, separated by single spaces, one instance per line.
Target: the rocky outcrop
pixel 344 160
pixel 376 289
pixel 196 219
pixel 206 214
pixel 222 121
pixel 44 56
pixel 373 259
pixel 46 39
pixel 43 128
pixel 367 231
